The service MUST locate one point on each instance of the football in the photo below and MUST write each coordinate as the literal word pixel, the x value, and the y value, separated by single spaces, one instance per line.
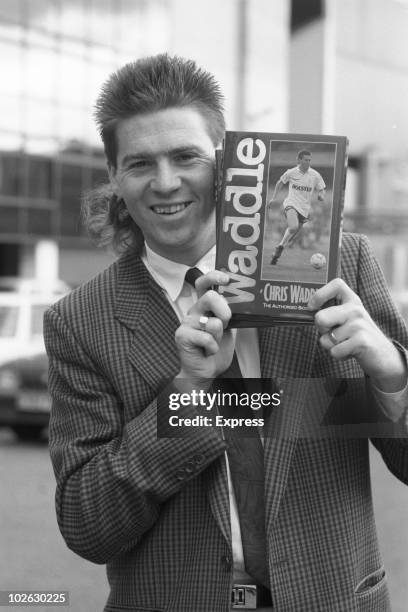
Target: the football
pixel 318 260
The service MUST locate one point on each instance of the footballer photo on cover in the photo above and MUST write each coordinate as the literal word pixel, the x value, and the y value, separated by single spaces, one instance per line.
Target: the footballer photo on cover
pixel 299 208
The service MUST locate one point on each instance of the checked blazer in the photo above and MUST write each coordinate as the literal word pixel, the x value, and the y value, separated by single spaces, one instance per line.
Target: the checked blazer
pixel 156 510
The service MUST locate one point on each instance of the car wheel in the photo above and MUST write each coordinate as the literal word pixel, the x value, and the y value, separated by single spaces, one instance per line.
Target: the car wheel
pixel 28 432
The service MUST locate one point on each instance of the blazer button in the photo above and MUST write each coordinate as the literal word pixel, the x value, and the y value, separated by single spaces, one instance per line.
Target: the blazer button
pixel 190 467
pixel 226 561
pixel 199 459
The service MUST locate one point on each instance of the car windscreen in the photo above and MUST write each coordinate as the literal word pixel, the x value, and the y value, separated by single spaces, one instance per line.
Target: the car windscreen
pixel 37 313
pixel 8 321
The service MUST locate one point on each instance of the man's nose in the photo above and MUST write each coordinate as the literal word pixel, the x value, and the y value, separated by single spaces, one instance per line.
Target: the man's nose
pixel 166 178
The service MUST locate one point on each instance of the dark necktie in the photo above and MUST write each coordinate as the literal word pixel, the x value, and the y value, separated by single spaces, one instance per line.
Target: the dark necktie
pixel 245 456
pixel 191 276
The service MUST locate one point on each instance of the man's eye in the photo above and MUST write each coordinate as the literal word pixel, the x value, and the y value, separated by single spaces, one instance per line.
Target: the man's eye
pixel 185 157
pixel 139 164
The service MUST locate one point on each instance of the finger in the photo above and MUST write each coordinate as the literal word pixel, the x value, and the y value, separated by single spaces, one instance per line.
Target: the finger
pixel 214 303
pixel 333 337
pixel 189 339
pixel 212 326
pixel 335 289
pixel 335 316
pixel 342 350
pixel 207 281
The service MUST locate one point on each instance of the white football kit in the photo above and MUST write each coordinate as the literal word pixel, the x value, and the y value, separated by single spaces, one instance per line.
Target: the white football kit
pixel 301 187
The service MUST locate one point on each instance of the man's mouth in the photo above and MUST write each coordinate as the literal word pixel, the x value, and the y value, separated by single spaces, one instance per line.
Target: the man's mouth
pixel 170 209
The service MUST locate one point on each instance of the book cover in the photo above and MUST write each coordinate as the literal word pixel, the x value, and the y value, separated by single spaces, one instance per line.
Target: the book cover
pixel 279 217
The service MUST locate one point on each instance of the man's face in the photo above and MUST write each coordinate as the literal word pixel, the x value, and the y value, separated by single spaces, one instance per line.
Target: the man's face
pixel 165 174
pixel 304 162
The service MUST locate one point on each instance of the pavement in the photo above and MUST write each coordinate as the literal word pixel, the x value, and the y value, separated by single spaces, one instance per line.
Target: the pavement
pixel 33 555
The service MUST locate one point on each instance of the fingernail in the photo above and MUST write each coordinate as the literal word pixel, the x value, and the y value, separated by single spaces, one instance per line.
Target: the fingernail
pixel 223 278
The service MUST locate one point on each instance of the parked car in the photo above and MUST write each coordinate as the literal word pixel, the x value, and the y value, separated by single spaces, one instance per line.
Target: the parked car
pixel 24 400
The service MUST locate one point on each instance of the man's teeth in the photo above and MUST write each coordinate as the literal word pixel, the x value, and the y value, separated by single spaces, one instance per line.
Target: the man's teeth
pixel 171 209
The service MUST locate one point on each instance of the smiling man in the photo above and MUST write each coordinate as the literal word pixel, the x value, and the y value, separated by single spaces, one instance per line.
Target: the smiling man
pixel 172 516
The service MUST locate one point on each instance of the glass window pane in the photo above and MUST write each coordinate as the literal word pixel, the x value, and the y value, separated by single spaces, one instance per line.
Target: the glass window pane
pixel 71 191
pixel 156 30
pixel 10 113
pixel 10 141
pixel 97 75
pixel 40 118
pixel 73 18
pixel 39 221
pixel 41 145
pixel 131 26
pixel 39 38
pixel 44 14
pixel 11 68
pixel 39 177
pixel 11 32
pixel 70 126
pixel 11 175
pixel 8 219
pixel 91 136
pixel 71 75
pixel 41 73
pixel 103 55
pixel 101 21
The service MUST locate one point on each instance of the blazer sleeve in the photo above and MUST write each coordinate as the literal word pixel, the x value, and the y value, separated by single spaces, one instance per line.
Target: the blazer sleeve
pixel 373 291
pixel 112 479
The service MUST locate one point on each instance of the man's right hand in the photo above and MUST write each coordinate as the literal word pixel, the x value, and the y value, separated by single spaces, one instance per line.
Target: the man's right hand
pixel 206 351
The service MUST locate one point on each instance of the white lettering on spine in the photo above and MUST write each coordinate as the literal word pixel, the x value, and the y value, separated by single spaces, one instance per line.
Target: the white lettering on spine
pixel 245 228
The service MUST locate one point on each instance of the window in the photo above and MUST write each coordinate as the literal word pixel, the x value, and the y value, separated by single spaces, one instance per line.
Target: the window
pixel 41 73
pixel 11 175
pixel 44 14
pixel 71 191
pixel 40 118
pixel 11 68
pixel 39 177
pixel 39 221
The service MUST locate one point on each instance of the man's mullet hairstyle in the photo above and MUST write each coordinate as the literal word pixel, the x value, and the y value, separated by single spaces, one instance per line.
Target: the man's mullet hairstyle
pixel 155 83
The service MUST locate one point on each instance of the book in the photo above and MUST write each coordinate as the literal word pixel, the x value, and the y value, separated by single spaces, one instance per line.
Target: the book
pixel 279 216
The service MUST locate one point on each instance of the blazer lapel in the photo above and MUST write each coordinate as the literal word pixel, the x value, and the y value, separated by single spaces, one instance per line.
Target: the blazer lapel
pixel 144 308
pixel 287 354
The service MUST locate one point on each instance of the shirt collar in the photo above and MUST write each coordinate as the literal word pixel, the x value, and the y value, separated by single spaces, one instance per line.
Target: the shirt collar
pixel 170 274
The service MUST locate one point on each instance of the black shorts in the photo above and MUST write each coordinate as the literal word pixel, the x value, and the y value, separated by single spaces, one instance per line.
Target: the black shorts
pixel 301 218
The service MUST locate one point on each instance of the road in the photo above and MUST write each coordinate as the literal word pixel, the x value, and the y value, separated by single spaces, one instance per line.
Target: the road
pixel 33 555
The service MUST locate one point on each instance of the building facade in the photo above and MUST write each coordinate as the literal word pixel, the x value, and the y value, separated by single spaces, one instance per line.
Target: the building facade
pixel 299 65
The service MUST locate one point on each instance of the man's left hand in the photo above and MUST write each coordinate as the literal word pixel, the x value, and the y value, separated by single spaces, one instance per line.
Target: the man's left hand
pixel 347 330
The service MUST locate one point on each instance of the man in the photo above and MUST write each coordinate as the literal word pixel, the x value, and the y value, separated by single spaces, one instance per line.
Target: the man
pixel 303 181
pixel 161 512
